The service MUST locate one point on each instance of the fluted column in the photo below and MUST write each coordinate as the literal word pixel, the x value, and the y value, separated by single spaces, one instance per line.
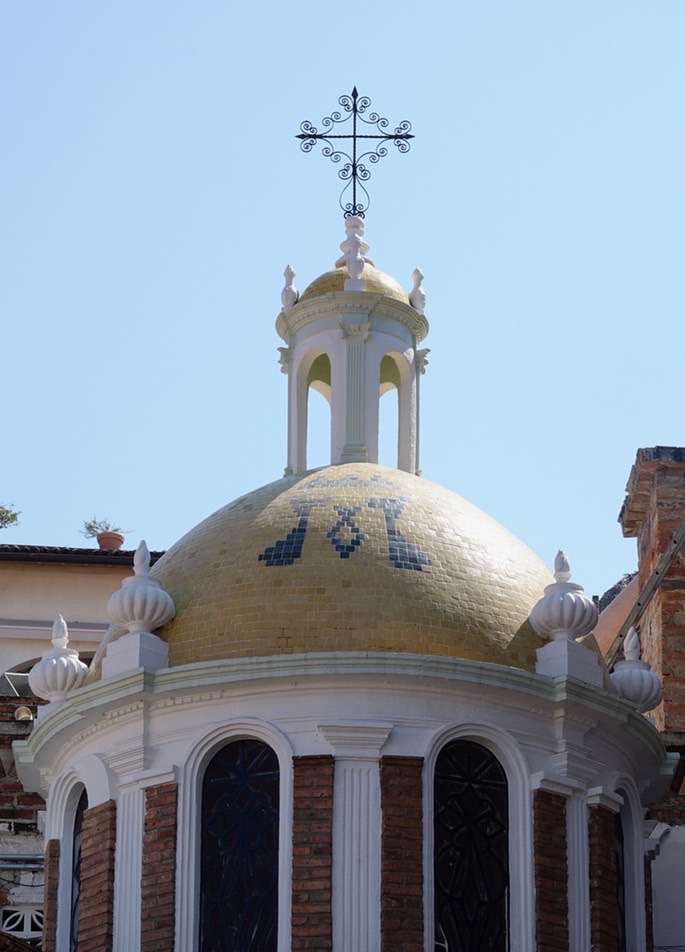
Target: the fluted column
pixel 356 423
pixel 356 835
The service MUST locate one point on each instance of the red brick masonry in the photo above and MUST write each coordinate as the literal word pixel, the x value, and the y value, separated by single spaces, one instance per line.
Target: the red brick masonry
pixel 551 871
pixel 402 854
pixel 603 918
pixel 158 880
pixel 96 917
pixel 52 851
pixel 312 923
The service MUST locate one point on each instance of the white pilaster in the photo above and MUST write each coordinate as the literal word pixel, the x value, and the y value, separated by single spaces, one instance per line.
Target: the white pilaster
pixel 356 835
pixel 578 865
pixel 128 867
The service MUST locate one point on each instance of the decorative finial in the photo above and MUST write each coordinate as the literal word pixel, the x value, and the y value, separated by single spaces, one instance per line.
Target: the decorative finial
pixel 634 680
pixel 289 295
pixel 141 604
pixel 564 612
pixel 631 646
pixel 59 671
pixel 354 249
pixel 141 559
pixel 354 171
pixel 562 567
pixel 417 296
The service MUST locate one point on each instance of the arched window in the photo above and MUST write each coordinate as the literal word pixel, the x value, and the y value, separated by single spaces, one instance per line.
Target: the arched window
pixel 239 849
pixel 471 849
pixel 76 841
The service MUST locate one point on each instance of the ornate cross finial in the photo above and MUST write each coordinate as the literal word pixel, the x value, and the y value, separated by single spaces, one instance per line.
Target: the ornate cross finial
pixel 354 172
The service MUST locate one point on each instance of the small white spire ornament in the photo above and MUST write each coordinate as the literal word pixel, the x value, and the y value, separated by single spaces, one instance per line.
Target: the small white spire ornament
pixel 354 249
pixel 634 680
pixel 59 671
pixel 564 612
pixel 417 296
pixel 289 295
pixel 141 605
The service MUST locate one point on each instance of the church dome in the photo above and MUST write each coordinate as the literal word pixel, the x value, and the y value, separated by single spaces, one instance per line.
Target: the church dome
pixel 377 282
pixel 354 557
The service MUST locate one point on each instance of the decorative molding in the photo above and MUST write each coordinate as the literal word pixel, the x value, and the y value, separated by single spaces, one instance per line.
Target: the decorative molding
pixel 355 331
pixel 604 797
pixel 356 741
pixel 286 359
pixel 556 783
pixel 289 323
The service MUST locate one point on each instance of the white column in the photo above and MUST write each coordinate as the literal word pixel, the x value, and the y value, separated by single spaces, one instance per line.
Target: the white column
pixel 355 449
pixel 578 865
pixel 128 867
pixel 356 835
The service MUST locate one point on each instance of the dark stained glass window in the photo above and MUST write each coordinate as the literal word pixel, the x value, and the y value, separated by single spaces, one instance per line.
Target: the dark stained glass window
pixel 239 851
pixel 471 851
pixel 76 841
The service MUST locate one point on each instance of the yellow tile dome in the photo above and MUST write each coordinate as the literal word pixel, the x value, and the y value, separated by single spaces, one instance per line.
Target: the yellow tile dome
pixel 376 282
pixel 354 557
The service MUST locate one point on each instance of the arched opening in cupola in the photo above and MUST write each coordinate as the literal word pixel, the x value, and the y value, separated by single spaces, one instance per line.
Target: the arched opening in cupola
pixel 318 410
pixel 394 429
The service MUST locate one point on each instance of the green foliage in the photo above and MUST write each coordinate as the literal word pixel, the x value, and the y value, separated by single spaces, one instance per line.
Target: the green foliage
pixel 93 527
pixel 8 517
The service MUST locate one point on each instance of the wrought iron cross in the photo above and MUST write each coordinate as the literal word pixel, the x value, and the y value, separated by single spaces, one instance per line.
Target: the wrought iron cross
pixel 354 172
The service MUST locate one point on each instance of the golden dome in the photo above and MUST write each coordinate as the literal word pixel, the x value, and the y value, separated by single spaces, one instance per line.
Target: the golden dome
pixel 376 281
pixel 354 557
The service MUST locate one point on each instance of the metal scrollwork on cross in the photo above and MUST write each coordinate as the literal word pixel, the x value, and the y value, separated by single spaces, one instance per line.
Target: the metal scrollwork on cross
pixel 354 172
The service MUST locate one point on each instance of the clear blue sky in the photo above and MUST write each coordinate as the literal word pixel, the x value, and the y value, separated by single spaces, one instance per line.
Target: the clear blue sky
pixel 152 192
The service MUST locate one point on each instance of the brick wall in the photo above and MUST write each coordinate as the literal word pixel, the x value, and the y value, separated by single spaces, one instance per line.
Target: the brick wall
pixel 312 924
pixel 97 878
pixel 52 855
pixel 402 854
pixel 16 805
pixel 603 916
pixel 649 906
pixel 158 880
pixel 551 871
pixel 653 510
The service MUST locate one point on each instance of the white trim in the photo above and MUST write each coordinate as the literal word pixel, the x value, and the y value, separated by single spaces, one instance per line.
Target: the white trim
pixel 69 793
pixel 634 871
pixel 521 877
pixel 188 848
pixel 357 833
pixel 578 855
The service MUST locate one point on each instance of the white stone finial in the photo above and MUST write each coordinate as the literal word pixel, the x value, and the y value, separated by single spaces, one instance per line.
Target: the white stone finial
pixel 141 604
pixel 141 559
pixel 59 671
pixel 289 295
pixel 634 680
pixel 631 646
pixel 417 296
pixel 564 612
pixel 562 567
pixel 354 249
